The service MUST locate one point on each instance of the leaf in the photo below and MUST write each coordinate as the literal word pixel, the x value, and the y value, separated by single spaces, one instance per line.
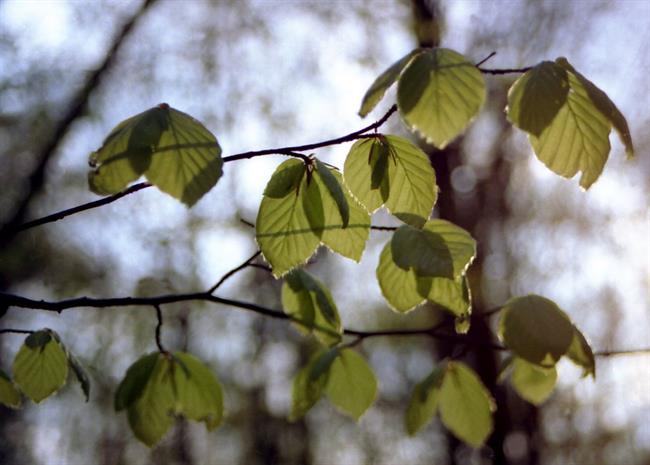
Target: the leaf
pixel 532 382
pixel 439 93
pixel 336 192
pixel 604 105
pixel 135 380
pixel 173 150
pixel 351 385
pixel 581 354
pixel 283 231
pixel 198 393
pixel 537 96
pixel 40 367
pixel 577 139
pixel 309 383
pixel 391 170
pixel 465 404
pixel 535 329
pixel 349 241
pixel 398 286
pixel 150 415
pixel 386 79
pixel 9 395
pixel 307 299
pixel 439 249
pixel 424 400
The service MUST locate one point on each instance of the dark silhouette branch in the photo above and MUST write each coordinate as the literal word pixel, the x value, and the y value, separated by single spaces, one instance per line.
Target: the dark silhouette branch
pixel 76 109
pixel 159 316
pixel 230 273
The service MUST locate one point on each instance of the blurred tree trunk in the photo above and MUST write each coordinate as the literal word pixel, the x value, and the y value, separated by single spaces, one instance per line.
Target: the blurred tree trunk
pixel 480 212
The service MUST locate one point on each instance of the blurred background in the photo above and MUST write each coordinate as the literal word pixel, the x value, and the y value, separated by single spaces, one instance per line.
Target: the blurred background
pixel 271 73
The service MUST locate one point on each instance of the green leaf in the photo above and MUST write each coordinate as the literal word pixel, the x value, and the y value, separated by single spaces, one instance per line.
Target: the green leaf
pixel 351 385
pixel 439 249
pixel 439 93
pixel 532 382
pixel 535 329
pixel 198 392
pixel 349 241
pixel 537 96
pixel 424 400
pixel 577 139
pixel 307 299
pixel 465 404
pixel 391 170
pixel 581 354
pixel 150 415
pixel 173 150
pixel 309 383
pixel 9 395
pixel 40 367
pixel 398 286
pixel 604 105
pixel 283 231
pixel 135 380
pixel 378 88
pixel 333 186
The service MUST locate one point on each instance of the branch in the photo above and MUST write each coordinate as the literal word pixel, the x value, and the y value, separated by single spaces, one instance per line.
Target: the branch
pixel 504 70
pixel 233 271
pixel 77 107
pixel 15 331
pixel 10 230
pixel 159 316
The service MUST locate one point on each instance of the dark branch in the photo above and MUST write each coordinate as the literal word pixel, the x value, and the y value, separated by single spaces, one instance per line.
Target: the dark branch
pixel 485 59
pixel 233 271
pixel 15 331
pixel 159 316
pixel 505 70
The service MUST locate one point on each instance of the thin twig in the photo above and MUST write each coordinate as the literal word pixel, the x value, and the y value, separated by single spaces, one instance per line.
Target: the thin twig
pixel 485 59
pixel 16 331
pixel 505 70
pixel 159 316
pixel 233 271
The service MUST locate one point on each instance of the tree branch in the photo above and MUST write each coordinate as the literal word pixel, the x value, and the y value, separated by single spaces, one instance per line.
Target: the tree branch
pixel 159 316
pixel 234 270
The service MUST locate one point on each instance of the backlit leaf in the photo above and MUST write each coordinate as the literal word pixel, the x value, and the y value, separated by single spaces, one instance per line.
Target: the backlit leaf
pixel 536 97
pixel 398 286
pixel 424 400
pixel 465 404
pixel 135 380
pixel 439 93
pixel 535 329
pixel 532 382
pixel 309 383
pixel 391 170
pixel 173 150
pixel 307 299
pixel 9 395
pixel 40 367
pixel 383 82
pixel 80 374
pixel 351 385
pixel 581 354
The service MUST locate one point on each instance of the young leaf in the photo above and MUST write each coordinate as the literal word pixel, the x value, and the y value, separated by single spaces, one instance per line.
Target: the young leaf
pixel 535 329
pixel 386 79
pixel 465 404
pixel 135 380
pixel 309 383
pixel 537 96
pixel 604 105
pixel 9 395
pixel 439 249
pixel 306 298
pixel 40 367
pixel 581 354
pixel 398 286
pixel 335 191
pixel 351 385
pixel 348 239
pixel 424 400
pixel 173 150
pixel 283 231
pixel 150 415
pixel 80 374
pixel 391 170
pixel 439 93
pixel 198 392
pixel 532 382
